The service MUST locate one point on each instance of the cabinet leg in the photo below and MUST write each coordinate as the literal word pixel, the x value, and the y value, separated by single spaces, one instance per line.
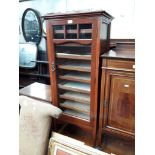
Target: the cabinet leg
pixel 99 138
pixel 94 137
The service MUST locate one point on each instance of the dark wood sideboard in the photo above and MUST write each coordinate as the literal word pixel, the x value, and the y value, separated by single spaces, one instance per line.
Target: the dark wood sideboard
pixel 117 96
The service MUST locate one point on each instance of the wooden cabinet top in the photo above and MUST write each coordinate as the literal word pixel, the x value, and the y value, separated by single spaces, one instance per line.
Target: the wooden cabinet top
pixel 38 91
pixel 78 14
pixel 119 54
pixel 123 50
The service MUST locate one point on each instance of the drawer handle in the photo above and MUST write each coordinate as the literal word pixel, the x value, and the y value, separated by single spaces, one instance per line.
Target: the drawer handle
pixel 133 66
pixel 126 85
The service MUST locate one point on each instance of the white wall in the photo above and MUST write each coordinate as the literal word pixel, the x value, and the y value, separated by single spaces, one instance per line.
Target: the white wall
pixel 122 11
pixel 43 7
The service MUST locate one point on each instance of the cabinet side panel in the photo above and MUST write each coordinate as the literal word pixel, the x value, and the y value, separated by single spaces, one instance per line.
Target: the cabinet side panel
pixel 51 59
pixel 104 36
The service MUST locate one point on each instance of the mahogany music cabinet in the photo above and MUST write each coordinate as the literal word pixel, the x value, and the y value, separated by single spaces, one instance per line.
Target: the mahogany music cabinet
pixel 75 42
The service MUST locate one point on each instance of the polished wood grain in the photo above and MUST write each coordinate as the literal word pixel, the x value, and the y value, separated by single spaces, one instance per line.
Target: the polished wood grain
pixel 96 42
pixel 117 97
pixel 123 64
pixel 84 108
pixel 75 66
pixel 38 91
pixel 72 41
pixel 78 14
pixel 76 96
pixel 120 112
pixel 120 54
pixel 75 86
pixel 76 76
pixel 73 56
pixel 77 114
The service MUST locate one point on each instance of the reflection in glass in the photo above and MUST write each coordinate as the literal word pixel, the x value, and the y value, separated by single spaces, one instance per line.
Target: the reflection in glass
pixel 31 26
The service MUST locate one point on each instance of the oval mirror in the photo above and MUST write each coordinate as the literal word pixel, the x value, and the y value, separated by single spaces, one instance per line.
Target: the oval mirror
pixel 31 26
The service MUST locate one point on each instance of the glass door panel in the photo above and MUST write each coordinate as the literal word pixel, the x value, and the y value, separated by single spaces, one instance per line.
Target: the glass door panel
pixel 58 31
pixel 85 31
pixel 71 31
pixel 74 80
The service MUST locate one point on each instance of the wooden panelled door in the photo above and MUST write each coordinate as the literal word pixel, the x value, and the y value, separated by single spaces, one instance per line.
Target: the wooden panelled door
pixel 120 96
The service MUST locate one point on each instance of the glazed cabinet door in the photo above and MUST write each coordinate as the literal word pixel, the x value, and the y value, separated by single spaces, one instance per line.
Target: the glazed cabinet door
pixel 73 63
pixel 120 103
pixel 72 58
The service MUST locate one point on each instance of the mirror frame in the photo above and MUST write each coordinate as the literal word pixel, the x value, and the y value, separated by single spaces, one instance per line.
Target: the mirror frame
pixel 39 22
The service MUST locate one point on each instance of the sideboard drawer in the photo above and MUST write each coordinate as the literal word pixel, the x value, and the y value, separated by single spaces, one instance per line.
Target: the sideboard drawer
pixel 126 64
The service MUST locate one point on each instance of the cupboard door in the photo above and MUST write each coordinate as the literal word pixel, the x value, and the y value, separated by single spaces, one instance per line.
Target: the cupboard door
pixel 73 61
pixel 121 107
pixel 75 43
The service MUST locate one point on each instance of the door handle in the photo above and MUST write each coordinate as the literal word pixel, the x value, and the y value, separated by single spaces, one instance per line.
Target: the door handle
pixel 53 66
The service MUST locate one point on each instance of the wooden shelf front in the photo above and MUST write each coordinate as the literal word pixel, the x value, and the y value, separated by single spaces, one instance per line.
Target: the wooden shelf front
pixel 77 106
pixel 77 50
pixel 38 91
pixel 80 77
pixel 82 66
pixel 77 114
pixel 73 56
pixel 80 41
pixel 74 96
pixel 75 86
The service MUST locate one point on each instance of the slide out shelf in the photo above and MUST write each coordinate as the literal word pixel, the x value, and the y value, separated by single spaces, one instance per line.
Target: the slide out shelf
pixel 76 76
pixel 75 96
pixel 75 86
pixel 76 66
pixel 77 106
pixel 77 114
pixel 73 56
